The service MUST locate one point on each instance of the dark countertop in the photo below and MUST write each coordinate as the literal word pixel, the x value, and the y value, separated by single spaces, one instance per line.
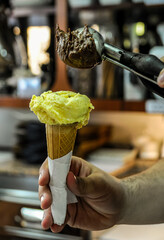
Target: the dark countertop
pixel 16 174
pixel 16 167
pixel 11 166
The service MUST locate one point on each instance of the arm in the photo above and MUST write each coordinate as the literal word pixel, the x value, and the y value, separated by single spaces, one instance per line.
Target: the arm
pixel 144 196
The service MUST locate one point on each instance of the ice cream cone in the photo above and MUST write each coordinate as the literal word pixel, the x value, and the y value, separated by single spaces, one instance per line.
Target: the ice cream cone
pixel 60 139
pixel 58 110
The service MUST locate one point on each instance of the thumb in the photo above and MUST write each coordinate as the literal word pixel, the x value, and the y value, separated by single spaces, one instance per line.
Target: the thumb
pixel 160 79
pixel 81 186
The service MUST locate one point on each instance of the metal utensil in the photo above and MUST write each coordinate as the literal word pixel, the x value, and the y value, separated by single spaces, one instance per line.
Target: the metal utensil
pixel 146 67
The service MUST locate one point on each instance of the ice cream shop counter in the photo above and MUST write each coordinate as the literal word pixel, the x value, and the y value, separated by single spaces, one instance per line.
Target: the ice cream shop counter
pixel 20 204
pixel 26 174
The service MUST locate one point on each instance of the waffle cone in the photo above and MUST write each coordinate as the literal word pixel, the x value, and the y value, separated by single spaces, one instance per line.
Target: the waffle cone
pixel 60 139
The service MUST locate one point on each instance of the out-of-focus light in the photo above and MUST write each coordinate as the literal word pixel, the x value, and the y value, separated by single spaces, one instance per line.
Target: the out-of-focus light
pixel 140 29
pixel 16 30
pixel 126 43
pixel 38 41
pixel 96 27
pixel 29 214
pixel 3 53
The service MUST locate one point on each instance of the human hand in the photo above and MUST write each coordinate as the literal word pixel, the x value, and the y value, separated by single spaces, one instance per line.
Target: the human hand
pixel 160 79
pixel 99 197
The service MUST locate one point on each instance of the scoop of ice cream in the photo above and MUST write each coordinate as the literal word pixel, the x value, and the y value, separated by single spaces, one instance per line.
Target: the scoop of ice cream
pixel 62 107
pixel 77 49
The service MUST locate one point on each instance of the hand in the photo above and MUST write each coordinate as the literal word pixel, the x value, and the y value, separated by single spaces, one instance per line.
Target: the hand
pixel 100 197
pixel 160 79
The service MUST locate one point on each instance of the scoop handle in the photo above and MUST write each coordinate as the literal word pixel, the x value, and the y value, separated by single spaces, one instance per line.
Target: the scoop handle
pixel 147 65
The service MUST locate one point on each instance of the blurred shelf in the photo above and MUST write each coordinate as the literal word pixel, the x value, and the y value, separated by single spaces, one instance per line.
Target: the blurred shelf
pixel 118 105
pixel 106 104
pixel 99 104
pixel 126 5
pixel 160 5
pixel 138 106
pixel 122 6
pixel 13 102
pixel 28 11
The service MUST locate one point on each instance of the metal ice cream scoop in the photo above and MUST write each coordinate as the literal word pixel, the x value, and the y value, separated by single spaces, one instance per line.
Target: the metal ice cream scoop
pixel 146 67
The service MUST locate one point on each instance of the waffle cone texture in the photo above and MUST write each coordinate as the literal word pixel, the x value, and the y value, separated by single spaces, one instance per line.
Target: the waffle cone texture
pixel 60 139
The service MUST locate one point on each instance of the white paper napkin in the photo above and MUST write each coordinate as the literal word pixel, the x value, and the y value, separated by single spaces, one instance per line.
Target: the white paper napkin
pixel 61 195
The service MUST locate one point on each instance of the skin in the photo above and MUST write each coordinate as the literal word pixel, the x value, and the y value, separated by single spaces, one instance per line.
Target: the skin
pixel 144 196
pixel 160 79
pixel 104 200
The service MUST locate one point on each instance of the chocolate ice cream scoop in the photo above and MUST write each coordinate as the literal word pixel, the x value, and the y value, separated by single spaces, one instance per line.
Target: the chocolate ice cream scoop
pixel 78 48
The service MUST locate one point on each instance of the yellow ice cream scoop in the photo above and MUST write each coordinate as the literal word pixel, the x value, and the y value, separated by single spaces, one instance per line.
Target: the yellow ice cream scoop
pixel 62 107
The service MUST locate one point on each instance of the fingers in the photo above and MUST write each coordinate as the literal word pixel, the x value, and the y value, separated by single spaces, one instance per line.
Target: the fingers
pixel 44 174
pixel 84 186
pixel 56 228
pixel 47 219
pixel 82 176
pixel 44 192
pixel 47 222
pixel 45 197
pixel 160 79
pixel 162 59
pixel 80 187
pixel 80 167
pixel 71 183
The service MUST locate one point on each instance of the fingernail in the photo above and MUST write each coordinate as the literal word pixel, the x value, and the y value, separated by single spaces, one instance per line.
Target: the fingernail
pixel 41 201
pixel 75 178
pixel 40 176
pixel 161 79
pixel 42 198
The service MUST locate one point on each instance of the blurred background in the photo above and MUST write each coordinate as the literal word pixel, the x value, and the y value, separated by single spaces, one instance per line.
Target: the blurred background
pixel 126 130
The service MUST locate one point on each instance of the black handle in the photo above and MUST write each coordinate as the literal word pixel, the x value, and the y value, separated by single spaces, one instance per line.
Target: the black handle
pixel 147 65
